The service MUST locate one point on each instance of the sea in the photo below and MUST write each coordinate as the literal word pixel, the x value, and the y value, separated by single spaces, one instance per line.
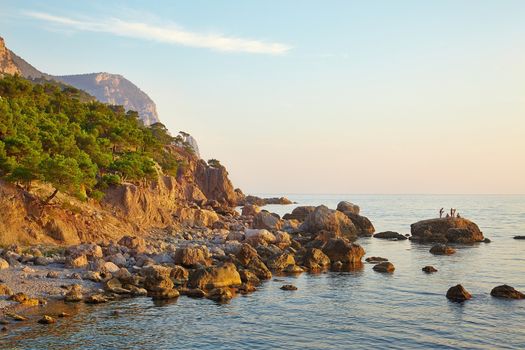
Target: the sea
pixel 360 309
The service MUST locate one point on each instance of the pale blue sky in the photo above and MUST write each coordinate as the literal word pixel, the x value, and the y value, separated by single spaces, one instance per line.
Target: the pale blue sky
pixel 312 96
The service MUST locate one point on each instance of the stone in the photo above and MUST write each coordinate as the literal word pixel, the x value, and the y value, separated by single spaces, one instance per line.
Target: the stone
pixel 193 257
pixel 246 253
pixel 324 219
pixel 299 213
pixel 5 290
pixel 519 237
pixel 384 267
pixel 429 269
pixel 193 292
pixel 458 294
pixel 293 269
pixel 3 264
pixel 118 259
pixel 250 210
pixel 249 277
pixel 179 273
pixel 220 295
pixel 375 259
pixel 340 249
pixel 507 292
pixel 136 244
pixel 288 287
pixel 345 206
pixel 110 267
pixel 157 278
pixel 267 220
pixel 96 299
pixel 76 261
pixel 225 275
pixel 42 261
pixel 164 294
pixel 24 299
pixel 446 230
pixel 315 259
pixel 259 234
pixel 52 274
pixel 395 236
pixel 258 267
pixel 47 320
pixel 92 276
pixel 280 262
pixel 74 294
pixel 441 249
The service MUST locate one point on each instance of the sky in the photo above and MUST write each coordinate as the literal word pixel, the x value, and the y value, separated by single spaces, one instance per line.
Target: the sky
pixel 312 96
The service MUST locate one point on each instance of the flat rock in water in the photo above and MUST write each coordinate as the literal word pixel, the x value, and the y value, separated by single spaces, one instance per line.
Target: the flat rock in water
pixel 446 230
pixel 506 291
pixel 390 235
pixel 289 287
pixel 385 267
pixel 519 237
pixel 458 294
pixel 429 269
pixel 441 249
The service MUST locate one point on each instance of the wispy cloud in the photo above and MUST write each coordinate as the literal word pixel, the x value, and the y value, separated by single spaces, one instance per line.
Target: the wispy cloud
pixel 170 33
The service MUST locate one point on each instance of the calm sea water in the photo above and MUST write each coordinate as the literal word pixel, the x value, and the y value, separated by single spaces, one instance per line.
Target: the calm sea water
pixel 354 310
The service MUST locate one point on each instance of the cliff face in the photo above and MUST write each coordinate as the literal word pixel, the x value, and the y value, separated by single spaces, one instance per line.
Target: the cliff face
pixel 116 90
pixel 7 66
pixel 126 209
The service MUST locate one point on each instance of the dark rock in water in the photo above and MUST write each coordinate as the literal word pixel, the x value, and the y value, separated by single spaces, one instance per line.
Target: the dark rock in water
pixel 47 320
pixel 63 314
pixel 441 249
pixel 486 240
pixel 390 235
pixel 96 299
pixel 288 287
pixel 446 230
pixel 315 259
pixel 506 291
pixel 375 259
pixel 519 237
pixel 220 295
pixel 458 294
pixel 429 269
pixel 385 267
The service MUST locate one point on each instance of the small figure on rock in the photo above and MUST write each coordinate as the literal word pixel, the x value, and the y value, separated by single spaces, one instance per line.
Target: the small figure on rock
pixel 441 211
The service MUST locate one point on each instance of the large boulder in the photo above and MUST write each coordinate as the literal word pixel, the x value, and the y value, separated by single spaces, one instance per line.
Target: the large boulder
pixel 299 213
pixel 340 249
pixel 324 219
pixel 345 206
pixel 267 220
pixel 507 292
pixel 446 230
pixel 280 261
pixel 362 223
pixel 225 275
pixel 315 259
pixel 134 243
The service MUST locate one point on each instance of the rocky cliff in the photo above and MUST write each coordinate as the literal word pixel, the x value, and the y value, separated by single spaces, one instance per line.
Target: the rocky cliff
pixel 105 87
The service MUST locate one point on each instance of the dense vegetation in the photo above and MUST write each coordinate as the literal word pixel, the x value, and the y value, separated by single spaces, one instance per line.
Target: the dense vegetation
pixel 51 133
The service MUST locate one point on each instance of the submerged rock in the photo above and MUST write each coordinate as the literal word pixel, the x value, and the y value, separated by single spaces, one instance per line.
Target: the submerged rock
pixel 47 320
pixel 390 235
pixel 506 291
pixel 451 230
pixel 375 259
pixel 429 269
pixel 458 294
pixel 441 249
pixel 288 287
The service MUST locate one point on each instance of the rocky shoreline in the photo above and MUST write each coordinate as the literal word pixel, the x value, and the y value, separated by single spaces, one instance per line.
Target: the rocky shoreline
pixel 233 256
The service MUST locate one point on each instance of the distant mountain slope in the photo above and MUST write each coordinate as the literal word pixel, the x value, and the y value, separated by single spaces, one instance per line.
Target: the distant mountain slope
pixel 105 87
pixel 115 89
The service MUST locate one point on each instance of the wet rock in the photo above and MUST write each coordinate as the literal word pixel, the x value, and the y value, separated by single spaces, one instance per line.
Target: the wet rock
pixel 519 237
pixel 345 206
pixel 3 264
pixel 324 219
pixel 96 299
pixel 458 294
pixel 375 259
pixel 193 256
pixel 76 261
pixel 506 291
pixel 193 293
pixel 288 287
pixel 5 290
pixel 164 294
pixel 293 269
pixel 280 262
pixel 385 267
pixel 487 240
pixel 429 269
pixel 446 230
pixel 137 291
pixel 249 277
pixel 390 235
pixel 315 259
pixel 441 249
pixel 340 249
pixel 220 295
pixel 299 213
pixel 74 294
pixel 225 275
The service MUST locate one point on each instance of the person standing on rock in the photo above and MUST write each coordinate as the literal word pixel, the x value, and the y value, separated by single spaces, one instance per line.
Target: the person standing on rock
pixel 441 211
